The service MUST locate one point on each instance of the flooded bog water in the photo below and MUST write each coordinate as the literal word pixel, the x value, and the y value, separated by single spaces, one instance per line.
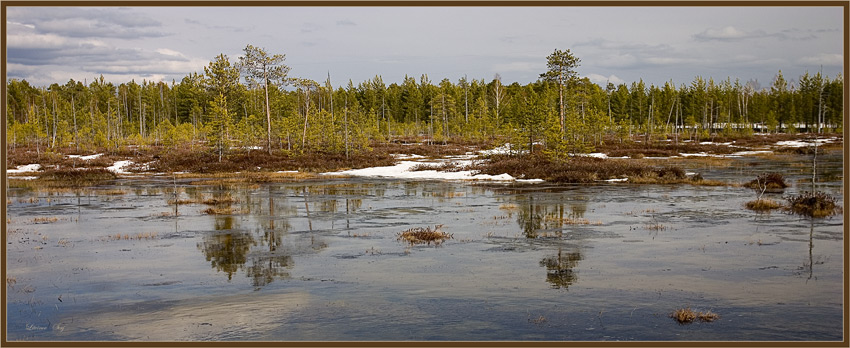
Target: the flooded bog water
pixel 322 260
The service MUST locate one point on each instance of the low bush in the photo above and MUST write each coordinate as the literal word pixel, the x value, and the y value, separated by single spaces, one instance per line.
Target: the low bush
pixel 419 235
pixel 769 182
pixel 816 205
pixel 578 169
pixel 76 177
pixel 763 205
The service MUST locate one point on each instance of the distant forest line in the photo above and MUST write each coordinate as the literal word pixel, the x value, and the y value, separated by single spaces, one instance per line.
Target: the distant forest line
pixel 253 103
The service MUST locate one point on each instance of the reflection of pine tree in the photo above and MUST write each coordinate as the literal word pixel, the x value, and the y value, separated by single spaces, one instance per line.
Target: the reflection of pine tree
pixel 265 268
pixel 227 252
pixel 559 269
pixel 529 218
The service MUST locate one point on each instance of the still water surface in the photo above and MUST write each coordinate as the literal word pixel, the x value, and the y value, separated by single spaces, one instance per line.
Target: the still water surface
pixel 320 260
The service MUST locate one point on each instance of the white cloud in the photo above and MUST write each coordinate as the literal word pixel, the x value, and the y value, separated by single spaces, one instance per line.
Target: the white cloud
pixel 725 33
pixel 169 52
pixel 603 80
pixel 823 59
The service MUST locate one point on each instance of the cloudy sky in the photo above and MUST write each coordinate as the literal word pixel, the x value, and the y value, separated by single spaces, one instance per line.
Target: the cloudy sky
pixel 617 44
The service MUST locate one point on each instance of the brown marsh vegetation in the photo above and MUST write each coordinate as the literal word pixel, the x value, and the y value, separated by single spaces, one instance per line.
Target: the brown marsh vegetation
pixel 763 204
pixel 426 235
pixel 816 205
pixel 688 315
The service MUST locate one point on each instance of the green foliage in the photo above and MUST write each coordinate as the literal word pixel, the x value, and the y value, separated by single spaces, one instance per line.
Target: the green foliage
pixel 560 114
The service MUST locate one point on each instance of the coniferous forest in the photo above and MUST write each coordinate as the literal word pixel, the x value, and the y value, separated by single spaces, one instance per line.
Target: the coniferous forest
pixel 251 102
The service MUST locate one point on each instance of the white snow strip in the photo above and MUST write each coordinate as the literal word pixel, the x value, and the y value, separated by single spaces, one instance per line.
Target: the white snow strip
pixel 27 168
pixel 799 143
pixel 530 181
pixel 595 155
pixel 118 167
pixel 690 173
pixel 402 171
pixel 86 158
pixel 22 177
pixel 403 156
pixel 701 154
pixel 749 153
pixel 617 180
pixel 501 150
pixel 287 171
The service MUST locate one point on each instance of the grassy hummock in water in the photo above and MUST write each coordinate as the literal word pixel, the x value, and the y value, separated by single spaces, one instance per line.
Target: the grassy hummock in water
pixel 419 235
pixel 585 170
pixel 688 315
pixel 763 205
pixel 76 177
pixel 816 205
pixel 769 182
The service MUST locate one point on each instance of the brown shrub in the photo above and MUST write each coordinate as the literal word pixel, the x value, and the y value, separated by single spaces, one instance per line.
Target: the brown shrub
pixel 817 205
pixel 574 170
pixel 770 182
pixel 419 235
pixel 763 205
pixel 76 177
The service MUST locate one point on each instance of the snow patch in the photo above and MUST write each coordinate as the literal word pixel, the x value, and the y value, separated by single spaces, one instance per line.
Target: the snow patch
pixel 402 171
pixel 617 180
pixel 86 158
pixel 501 150
pixel 749 153
pixel 118 167
pixel 403 156
pixel 22 177
pixel 27 168
pixel 800 143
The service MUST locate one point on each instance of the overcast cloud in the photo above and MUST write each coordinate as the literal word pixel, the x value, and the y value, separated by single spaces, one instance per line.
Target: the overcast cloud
pixel 616 44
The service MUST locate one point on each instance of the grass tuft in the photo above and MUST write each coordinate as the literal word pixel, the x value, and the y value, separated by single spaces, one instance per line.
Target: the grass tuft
pixel 763 205
pixel 76 177
pixel 688 315
pixel 419 235
pixel 816 205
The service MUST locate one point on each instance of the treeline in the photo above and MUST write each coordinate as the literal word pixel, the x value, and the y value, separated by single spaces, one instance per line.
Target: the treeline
pixel 252 103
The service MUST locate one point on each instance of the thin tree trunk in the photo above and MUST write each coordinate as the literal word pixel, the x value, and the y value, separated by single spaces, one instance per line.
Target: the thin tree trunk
pixel 269 113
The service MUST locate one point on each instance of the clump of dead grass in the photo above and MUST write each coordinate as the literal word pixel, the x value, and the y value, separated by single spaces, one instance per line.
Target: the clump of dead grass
pixel 763 205
pixel 572 221
pixel 577 169
pixel 136 236
pixel 442 167
pixel 816 205
pixel 768 182
pixel 419 235
pixel 75 177
pixel 226 199
pixel 223 211
pixel 688 315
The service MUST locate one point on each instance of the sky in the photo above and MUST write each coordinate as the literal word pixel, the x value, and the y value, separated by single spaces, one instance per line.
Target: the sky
pixel 48 45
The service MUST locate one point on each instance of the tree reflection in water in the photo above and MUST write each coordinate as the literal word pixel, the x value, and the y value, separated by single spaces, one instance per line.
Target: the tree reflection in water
pixel 266 253
pixel 227 251
pixel 559 269
pixel 541 218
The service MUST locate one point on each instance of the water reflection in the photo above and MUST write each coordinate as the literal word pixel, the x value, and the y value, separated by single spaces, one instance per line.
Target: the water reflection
pixel 265 253
pixel 548 216
pixel 227 251
pixel 559 268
